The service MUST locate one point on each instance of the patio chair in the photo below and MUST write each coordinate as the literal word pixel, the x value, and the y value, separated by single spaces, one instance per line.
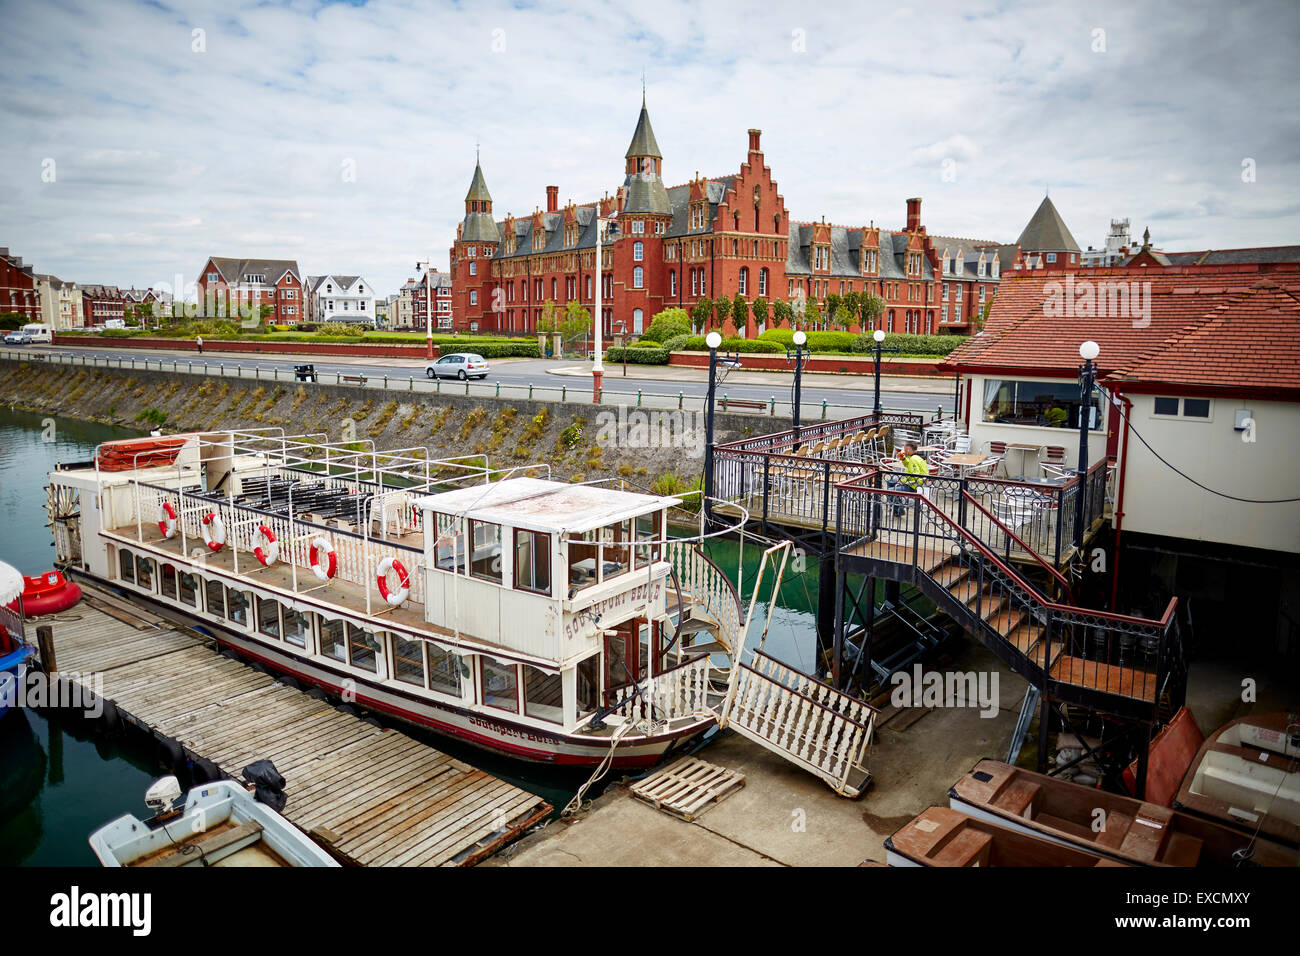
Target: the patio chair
pixel 1056 473
pixel 1053 455
pixel 960 444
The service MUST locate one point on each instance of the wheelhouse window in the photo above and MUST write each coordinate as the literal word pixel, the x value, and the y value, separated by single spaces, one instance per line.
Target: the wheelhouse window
pixel 297 627
pixel 268 618
pixel 188 587
pixel 485 550
pixel 648 529
pixel 1045 404
pixel 363 649
pixel 532 561
pixel 447 545
pixel 408 660
pixel 500 684
pixel 333 640
pixel 543 695
pixel 167 581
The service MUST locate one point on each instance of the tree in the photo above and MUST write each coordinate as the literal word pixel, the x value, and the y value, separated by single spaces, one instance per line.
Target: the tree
pixel 759 308
pixel 722 309
pixel 851 301
pixel 668 323
pixel 812 313
pixel 740 312
pixel 983 316
pixel 871 307
pixel 843 317
pixel 701 312
pixel 832 303
pixel 781 311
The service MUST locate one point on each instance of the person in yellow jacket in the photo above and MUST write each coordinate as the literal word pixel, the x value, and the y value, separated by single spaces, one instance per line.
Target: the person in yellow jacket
pixel 917 469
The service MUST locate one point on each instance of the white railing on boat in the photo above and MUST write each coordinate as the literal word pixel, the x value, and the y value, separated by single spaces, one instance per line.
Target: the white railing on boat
pixel 704 583
pixel 682 691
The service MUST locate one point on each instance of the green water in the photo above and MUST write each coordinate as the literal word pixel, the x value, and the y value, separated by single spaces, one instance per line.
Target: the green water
pixel 59 781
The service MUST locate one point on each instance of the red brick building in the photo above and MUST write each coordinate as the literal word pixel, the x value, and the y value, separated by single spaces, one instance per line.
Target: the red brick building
pixel 102 302
pixel 226 285
pixel 709 237
pixel 440 283
pixel 18 287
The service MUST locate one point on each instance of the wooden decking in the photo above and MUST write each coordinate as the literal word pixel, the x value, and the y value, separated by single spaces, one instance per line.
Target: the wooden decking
pixel 372 797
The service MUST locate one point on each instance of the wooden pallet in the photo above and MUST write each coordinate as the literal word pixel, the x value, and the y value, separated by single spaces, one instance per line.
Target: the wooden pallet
pixel 688 787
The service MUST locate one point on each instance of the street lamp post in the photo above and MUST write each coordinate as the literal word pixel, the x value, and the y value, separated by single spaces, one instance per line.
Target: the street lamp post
pixel 1088 351
pixel 799 338
pixel 879 337
pixel 423 264
pixel 597 366
pixel 712 340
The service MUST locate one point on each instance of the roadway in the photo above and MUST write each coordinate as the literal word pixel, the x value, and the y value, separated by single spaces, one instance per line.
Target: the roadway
pixel 897 392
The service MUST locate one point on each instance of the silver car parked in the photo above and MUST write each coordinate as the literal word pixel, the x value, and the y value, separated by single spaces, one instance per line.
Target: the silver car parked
pixel 461 365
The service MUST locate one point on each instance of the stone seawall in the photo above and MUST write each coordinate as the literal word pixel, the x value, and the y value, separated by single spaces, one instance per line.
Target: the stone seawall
pixel 580 441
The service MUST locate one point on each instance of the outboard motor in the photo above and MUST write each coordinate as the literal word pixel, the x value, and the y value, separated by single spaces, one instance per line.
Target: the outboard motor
pixel 267 783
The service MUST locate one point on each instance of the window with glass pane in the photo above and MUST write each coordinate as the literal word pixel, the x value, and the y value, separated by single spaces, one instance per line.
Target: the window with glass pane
pixel 333 641
pixel 533 561
pixel 543 695
pixel 647 531
pixel 1166 406
pixel 582 560
pixel 167 581
pixel 144 573
pixel 268 618
pixel 297 627
pixel 447 544
pixel 216 598
pixel 126 565
pixel 1196 407
pixel 588 684
pixel 188 586
pixel 237 606
pixel 444 670
pixel 500 684
pixel 1045 404
pixel 616 555
pixel 408 660
pixel 644 634
pixel 363 648
pixel 485 554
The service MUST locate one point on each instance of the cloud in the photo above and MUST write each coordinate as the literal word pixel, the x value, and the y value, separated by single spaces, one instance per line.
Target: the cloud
pixel 165 154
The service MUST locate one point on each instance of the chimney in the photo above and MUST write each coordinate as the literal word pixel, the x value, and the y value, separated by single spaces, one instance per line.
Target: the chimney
pixel 754 134
pixel 914 214
pixel 552 198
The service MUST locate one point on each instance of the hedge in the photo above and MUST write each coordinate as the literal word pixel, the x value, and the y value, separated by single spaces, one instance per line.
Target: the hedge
pixel 848 343
pixel 697 343
pixel 638 355
pixel 667 324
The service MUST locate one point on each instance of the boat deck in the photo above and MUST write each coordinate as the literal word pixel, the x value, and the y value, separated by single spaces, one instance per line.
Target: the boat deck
pixel 371 796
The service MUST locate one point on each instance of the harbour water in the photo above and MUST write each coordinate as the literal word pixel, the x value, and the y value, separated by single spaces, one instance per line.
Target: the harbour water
pixel 59 781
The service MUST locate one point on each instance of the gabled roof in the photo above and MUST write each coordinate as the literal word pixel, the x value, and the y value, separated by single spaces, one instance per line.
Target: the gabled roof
pixel 1216 257
pixel 234 270
pixel 312 283
pixel 1047 232
pixel 643 138
pixel 1024 332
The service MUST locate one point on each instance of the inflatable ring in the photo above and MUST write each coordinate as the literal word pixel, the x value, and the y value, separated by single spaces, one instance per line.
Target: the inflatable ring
pixel 271 553
pixel 166 519
pixel 330 564
pixel 398 596
pixel 214 531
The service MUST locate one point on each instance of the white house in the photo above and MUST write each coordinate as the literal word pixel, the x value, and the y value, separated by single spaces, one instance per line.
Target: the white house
pixel 339 298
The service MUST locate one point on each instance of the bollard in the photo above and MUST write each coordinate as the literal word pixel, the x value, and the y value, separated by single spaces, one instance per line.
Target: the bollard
pixel 679 399
pixel 385 383
pixel 191 368
pixel 498 389
pixel 411 387
pixel 222 366
pixel 338 378
pixel 564 391
pixel 437 386
pixel 257 372
pixel 276 370
pixel 45 644
pixel 530 391
pixel 772 405
pixel 467 386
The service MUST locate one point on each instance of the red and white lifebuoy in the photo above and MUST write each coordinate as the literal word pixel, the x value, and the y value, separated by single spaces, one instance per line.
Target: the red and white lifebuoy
pixel 323 568
pixel 214 531
pixel 396 597
pixel 269 554
pixel 166 519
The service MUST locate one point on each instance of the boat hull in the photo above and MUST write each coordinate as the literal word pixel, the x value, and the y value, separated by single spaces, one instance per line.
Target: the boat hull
pixel 480 729
pixel 13 671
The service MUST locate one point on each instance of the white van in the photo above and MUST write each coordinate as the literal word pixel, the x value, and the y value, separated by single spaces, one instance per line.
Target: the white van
pixel 39 332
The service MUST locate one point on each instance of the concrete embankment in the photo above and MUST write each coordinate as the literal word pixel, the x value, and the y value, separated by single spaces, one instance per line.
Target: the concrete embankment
pixel 577 439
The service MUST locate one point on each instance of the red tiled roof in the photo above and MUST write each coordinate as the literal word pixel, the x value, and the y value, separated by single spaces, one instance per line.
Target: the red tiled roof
pixel 1208 322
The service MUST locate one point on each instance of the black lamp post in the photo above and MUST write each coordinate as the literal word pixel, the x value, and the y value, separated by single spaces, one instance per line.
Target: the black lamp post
pixel 1088 351
pixel 877 349
pixel 712 340
pixel 799 338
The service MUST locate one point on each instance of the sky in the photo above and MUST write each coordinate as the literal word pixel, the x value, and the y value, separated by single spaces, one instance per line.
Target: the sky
pixel 139 138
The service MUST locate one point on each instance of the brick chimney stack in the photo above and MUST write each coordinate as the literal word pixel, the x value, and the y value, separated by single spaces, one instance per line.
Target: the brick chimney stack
pixel 914 214
pixel 754 134
pixel 552 198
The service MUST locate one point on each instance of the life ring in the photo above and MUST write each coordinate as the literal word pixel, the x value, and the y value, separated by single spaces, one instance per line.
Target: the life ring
pixel 271 553
pixel 396 597
pixel 331 563
pixel 214 531
pixel 166 519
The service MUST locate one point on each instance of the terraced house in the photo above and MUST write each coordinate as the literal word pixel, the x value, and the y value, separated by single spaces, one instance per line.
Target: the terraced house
pixel 710 237
pixel 226 285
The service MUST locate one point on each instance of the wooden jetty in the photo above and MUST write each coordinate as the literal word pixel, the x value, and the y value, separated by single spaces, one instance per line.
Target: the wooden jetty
pixel 370 796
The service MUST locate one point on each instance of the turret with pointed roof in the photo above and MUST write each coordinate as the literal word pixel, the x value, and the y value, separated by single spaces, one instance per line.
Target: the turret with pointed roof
pixel 478 225
pixel 643 189
pixel 1046 232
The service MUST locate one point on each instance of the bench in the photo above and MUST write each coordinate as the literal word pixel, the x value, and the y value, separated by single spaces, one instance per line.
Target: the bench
pixel 353 379
pixel 728 403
